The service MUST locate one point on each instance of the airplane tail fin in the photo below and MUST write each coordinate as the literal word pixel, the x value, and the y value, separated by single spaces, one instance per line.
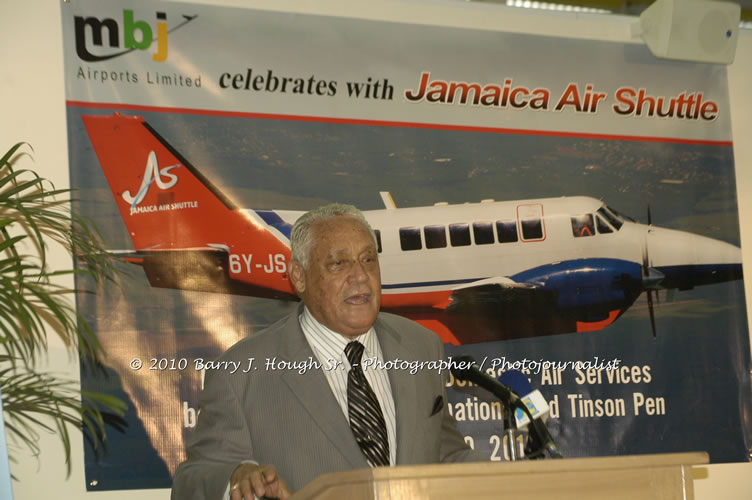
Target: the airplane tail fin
pixel 168 205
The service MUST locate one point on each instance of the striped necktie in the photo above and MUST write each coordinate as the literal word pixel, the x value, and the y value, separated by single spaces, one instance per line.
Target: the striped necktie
pixel 366 419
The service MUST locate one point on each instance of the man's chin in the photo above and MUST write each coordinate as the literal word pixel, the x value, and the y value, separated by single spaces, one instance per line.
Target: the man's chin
pixel 359 322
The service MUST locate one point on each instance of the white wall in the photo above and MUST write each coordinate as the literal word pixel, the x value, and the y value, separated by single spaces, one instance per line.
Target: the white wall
pixel 33 110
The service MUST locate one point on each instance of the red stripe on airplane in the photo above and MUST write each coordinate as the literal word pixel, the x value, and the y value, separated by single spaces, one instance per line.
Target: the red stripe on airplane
pixel 592 326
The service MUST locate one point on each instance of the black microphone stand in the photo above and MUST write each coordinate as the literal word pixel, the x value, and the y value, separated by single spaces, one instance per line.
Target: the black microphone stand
pixel 539 439
pixel 510 431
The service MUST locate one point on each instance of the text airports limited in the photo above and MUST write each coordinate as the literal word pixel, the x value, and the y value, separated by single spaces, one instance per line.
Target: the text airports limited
pixel 158 78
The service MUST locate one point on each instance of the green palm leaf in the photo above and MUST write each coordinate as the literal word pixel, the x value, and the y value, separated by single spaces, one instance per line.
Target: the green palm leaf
pixel 33 215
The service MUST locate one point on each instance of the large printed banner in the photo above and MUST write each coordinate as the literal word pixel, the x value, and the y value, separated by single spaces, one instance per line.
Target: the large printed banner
pixel 562 207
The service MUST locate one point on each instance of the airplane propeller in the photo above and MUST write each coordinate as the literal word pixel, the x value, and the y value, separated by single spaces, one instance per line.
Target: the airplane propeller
pixel 646 284
pixel 651 278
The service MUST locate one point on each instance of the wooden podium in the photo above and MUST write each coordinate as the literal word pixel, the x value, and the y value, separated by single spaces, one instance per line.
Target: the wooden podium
pixel 665 477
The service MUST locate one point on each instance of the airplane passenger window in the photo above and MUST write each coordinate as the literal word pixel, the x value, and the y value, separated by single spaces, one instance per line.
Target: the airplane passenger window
pixel 410 238
pixel 532 229
pixel 582 225
pixel 435 236
pixel 602 226
pixel 611 218
pixel 459 234
pixel 378 239
pixel 506 231
pixel 483 232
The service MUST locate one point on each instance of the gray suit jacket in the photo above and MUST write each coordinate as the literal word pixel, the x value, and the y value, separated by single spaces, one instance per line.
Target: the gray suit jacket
pixel 292 420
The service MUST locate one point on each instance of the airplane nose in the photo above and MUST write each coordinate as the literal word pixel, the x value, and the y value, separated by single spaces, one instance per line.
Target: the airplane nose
pixel 689 260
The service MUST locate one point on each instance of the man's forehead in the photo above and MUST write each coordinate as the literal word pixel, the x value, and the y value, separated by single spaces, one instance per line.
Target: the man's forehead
pixel 333 246
pixel 343 249
pixel 323 228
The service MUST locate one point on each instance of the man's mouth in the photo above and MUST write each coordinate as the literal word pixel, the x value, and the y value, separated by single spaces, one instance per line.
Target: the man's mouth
pixel 358 299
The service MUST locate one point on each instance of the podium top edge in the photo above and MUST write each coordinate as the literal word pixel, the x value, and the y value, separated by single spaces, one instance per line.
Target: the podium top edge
pixel 479 469
pixel 591 463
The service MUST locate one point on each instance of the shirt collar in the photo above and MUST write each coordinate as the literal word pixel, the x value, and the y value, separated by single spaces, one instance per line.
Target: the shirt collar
pixel 335 341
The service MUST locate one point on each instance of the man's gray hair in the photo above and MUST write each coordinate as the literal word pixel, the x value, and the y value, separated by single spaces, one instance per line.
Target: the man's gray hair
pixel 301 237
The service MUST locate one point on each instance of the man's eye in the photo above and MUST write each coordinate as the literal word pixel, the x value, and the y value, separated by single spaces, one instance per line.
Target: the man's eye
pixel 336 265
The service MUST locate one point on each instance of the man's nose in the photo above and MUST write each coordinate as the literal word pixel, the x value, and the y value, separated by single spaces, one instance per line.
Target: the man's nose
pixel 358 272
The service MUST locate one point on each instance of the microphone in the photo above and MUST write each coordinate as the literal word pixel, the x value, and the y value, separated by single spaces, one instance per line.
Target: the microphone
pixel 464 368
pixel 537 411
pixel 473 374
pixel 533 399
pixel 509 398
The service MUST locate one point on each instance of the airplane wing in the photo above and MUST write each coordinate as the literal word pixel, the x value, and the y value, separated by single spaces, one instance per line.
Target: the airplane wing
pixel 500 281
pixel 527 308
pixel 499 291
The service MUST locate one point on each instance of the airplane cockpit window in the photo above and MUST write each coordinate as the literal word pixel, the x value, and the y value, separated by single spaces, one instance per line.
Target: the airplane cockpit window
pixel 435 236
pixel 610 216
pixel 532 229
pixel 506 230
pixel 459 234
pixel 601 225
pixel 410 238
pixel 483 232
pixel 378 239
pixel 582 225
pixel 619 215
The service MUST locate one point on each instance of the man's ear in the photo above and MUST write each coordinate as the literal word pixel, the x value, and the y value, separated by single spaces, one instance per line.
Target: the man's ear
pixel 297 276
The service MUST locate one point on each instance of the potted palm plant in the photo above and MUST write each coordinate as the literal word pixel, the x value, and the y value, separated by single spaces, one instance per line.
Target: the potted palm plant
pixel 35 302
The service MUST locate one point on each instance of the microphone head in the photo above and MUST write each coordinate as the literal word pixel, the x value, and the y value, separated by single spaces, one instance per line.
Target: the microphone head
pixel 517 381
pixel 532 399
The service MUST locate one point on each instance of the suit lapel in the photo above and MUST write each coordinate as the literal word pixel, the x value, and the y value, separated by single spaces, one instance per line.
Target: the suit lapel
pixel 404 391
pixel 314 393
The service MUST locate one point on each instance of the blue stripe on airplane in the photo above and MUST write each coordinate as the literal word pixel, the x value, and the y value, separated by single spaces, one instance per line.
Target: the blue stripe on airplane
pixel 274 220
pixel 589 271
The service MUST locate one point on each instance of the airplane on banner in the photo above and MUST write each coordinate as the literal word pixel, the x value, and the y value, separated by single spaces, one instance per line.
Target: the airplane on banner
pixel 472 272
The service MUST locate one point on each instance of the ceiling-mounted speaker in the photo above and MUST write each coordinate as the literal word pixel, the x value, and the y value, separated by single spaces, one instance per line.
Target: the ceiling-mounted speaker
pixel 692 30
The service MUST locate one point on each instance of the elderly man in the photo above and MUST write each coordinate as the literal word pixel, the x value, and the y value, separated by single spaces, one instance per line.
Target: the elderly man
pixel 279 424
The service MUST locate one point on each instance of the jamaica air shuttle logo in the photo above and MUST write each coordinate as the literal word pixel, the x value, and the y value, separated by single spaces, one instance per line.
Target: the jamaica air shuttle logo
pixel 152 174
pixel 124 36
pixel 164 180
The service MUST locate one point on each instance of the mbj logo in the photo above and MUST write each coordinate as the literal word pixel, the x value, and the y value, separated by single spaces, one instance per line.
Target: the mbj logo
pixel 152 173
pixel 137 35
